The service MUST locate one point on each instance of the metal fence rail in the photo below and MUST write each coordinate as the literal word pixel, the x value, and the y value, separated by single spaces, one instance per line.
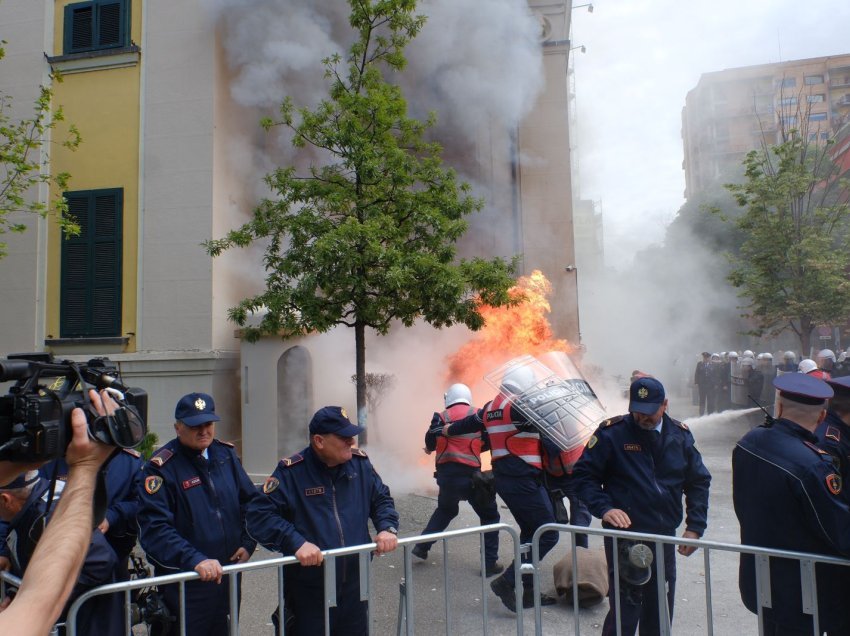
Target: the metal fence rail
pixel 762 568
pixel 406 618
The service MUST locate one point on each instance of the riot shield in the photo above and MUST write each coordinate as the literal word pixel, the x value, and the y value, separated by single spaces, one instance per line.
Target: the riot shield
pixel 740 390
pixel 553 396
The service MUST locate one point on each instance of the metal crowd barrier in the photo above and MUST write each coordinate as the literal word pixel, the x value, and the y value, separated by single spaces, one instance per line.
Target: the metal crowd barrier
pixel 405 625
pixel 762 570
pixel 406 617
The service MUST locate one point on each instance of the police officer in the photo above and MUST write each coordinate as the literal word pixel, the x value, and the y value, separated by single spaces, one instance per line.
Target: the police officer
pixel 517 452
pixel 23 505
pixel 789 496
pixel 458 459
pixel 192 514
pixel 632 475
pixel 119 525
pixel 319 499
pixel 834 431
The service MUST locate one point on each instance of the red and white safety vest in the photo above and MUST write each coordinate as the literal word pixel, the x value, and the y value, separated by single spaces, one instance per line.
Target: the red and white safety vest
pixel 460 449
pixel 506 439
pixel 562 464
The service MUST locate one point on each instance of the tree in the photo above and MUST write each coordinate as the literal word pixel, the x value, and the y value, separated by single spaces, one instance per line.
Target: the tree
pixel 793 263
pixel 367 236
pixel 24 163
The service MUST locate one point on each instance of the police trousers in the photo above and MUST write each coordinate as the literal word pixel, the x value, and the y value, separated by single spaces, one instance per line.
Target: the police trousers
pixel 528 500
pixel 207 606
pixel 453 490
pixel 639 604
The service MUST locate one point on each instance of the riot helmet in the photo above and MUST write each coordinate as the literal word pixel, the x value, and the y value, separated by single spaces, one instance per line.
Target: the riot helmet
pixel 458 394
pixel 517 380
pixel 807 365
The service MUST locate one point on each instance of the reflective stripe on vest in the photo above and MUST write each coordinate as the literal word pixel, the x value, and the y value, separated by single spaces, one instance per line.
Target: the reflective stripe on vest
pixel 460 449
pixel 506 440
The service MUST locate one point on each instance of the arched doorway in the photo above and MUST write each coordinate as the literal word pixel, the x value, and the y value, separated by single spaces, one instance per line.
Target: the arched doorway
pixel 294 399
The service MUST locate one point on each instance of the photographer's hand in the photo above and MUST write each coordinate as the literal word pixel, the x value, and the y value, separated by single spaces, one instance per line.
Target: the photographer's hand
pixel 56 562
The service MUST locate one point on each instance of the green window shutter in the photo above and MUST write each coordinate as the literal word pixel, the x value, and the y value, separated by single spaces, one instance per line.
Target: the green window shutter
pixel 90 296
pixel 99 24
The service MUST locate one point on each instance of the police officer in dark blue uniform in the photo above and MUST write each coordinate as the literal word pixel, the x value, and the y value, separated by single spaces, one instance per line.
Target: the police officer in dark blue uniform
pixel 23 506
pixel 319 499
pixel 788 495
pixel 632 475
pixel 192 514
pixel 119 525
pixel 834 432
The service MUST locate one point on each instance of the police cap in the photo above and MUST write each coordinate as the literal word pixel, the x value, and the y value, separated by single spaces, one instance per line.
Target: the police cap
pixel 22 481
pixel 841 385
pixel 333 419
pixel 802 388
pixel 196 409
pixel 646 395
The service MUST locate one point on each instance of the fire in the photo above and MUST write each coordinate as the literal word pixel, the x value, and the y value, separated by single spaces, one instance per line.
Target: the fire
pixel 509 332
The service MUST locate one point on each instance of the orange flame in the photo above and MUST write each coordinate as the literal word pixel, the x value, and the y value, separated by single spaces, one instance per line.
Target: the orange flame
pixel 509 332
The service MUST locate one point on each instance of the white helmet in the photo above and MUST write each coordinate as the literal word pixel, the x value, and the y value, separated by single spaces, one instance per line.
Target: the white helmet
pixel 748 362
pixel 517 380
pixel 790 355
pixel 842 356
pixel 826 353
pixel 733 354
pixel 458 394
pixel 807 365
pixel 766 356
pixel 748 354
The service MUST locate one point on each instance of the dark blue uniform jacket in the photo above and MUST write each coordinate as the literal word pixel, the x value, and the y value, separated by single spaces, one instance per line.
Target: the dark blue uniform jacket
pixel 123 474
pixel 786 496
pixel 834 437
pixel 100 615
pixel 329 507
pixel 618 469
pixel 192 509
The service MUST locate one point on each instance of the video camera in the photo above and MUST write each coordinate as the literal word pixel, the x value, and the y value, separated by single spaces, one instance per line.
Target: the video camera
pixel 35 418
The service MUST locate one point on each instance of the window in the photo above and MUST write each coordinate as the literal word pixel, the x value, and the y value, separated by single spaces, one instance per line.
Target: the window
pixel 824 135
pixel 811 80
pixel 96 25
pixel 817 117
pixel 90 296
pixel 789 121
pixel 788 82
pixel 815 99
pixel 788 101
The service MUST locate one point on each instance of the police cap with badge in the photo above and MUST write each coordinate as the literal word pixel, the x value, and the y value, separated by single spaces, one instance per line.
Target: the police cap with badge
pixel 196 409
pixel 646 395
pixel 333 420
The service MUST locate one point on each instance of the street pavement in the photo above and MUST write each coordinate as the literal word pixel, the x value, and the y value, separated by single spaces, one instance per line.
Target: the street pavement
pixel 715 436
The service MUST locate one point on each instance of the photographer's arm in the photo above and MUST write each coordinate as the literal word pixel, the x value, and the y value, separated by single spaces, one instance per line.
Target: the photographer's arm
pixel 57 560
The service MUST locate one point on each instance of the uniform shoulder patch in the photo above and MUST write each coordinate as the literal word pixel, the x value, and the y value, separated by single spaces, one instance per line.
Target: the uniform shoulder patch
pixel 161 456
pixel 132 451
pixel 592 441
pixel 271 485
pixel 681 425
pixel 153 483
pixel 223 443
pixel 612 421
pixel 833 483
pixel 358 452
pixel 833 433
pixel 292 460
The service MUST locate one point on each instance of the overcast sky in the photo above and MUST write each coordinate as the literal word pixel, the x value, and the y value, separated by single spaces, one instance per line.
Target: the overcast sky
pixel 642 58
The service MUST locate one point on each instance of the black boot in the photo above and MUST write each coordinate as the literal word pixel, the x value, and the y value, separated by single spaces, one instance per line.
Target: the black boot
pixel 505 591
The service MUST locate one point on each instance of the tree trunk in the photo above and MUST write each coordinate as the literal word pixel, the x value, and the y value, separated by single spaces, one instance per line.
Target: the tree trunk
pixel 805 337
pixel 360 357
